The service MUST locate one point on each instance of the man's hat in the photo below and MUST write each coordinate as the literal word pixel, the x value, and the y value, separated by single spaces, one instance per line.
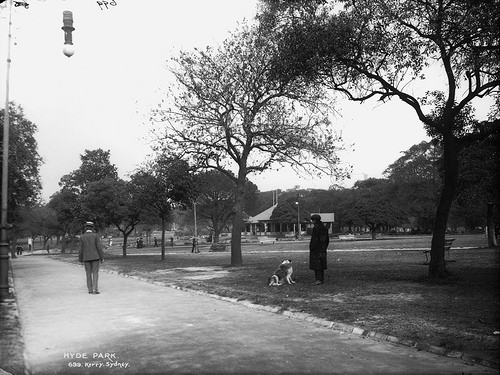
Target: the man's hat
pixel 89 224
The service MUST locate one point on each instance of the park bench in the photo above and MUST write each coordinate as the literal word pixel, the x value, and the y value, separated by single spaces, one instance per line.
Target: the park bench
pixel 267 240
pixel 447 246
pixel 285 238
pixel 347 237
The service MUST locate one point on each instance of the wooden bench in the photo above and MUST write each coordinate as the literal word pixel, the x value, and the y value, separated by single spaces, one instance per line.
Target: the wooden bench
pixel 347 237
pixel 447 246
pixel 267 240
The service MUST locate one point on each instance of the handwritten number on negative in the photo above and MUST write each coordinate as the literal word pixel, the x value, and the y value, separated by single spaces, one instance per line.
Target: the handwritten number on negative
pixel 105 4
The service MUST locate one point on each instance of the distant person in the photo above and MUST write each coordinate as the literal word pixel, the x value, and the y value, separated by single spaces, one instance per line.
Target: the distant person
pixel 171 241
pixel 156 242
pixel 19 250
pixel 91 255
pixel 194 249
pixel 317 249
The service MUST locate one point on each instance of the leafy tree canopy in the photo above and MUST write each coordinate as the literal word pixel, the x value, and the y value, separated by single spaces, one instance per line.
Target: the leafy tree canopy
pixel 24 161
pixel 96 165
pixel 384 49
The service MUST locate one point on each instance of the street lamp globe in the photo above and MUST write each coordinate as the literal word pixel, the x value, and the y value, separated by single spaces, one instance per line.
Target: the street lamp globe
pixel 68 50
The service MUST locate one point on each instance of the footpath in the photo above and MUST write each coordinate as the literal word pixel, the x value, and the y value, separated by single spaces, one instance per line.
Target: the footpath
pixel 136 327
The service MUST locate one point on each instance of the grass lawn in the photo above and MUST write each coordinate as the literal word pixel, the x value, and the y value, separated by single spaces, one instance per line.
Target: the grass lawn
pixel 378 285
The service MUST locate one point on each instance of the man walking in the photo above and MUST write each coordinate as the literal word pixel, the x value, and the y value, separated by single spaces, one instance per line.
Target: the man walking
pixel 91 255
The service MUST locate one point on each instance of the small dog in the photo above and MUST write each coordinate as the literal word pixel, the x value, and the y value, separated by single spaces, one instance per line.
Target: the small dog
pixel 282 274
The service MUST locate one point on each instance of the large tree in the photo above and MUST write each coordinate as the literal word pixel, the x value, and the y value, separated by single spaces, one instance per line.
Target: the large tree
pixel 96 165
pixel 215 199
pixel 113 202
pixel 289 212
pixel 374 207
pixel 66 204
pixel 162 186
pixel 228 114
pixel 416 180
pixel 24 184
pixel 41 221
pixel 384 49
pixel 478 183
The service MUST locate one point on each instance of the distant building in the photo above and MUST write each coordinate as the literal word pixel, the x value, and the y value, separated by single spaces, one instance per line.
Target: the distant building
pixel 261 224
pixel 327 218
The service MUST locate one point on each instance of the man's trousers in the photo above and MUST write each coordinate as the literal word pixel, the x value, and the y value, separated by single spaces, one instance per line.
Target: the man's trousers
pixel 92 271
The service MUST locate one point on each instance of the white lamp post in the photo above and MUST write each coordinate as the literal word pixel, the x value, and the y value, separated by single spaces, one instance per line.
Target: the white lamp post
pixel 298 220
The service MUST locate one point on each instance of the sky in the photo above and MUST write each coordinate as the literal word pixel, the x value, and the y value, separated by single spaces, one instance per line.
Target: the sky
pixel 101 96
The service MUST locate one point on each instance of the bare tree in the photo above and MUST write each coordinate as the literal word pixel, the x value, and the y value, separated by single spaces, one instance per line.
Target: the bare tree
pixel 227 114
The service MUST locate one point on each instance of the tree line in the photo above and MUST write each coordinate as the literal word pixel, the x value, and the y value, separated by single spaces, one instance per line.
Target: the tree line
pixel 407 197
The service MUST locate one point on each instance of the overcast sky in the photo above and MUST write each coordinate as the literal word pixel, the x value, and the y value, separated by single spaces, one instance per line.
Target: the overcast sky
pixel 100 97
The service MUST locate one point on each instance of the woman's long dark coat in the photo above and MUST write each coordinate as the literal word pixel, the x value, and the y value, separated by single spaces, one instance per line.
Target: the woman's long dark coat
pixel 317 247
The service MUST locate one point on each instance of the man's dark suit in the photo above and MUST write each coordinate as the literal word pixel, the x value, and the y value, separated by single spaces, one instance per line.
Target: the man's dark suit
pixel 91 254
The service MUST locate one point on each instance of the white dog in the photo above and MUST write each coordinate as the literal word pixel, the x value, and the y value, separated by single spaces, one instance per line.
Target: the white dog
pixel 282 274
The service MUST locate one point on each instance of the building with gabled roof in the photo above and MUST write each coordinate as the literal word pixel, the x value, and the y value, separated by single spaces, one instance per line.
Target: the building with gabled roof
pixel 261 224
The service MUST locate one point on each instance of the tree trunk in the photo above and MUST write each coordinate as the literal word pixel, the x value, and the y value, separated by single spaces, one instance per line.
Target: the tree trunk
pixel 163 222
pixel 492 240
pixel 124 248
pixel 64 244
pixel 236 258
pixel 216 234
pixel 437 266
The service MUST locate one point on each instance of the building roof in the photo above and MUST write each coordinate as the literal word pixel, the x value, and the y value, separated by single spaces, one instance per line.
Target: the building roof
pixel 326 217
pixel 263 216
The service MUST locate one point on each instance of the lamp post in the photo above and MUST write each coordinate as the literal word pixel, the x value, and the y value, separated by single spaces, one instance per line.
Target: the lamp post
pixel 298 220
pixel 4 242
pixel 68 50
pixel 195 239
pixel 68 29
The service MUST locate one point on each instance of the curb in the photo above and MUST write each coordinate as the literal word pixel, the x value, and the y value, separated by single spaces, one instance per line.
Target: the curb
pixel 18 363
pixel 337 326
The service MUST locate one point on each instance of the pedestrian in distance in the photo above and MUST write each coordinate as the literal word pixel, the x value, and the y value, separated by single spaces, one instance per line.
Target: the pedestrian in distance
pixel 91 255
pixel 19 250
pixel 194 249
pixel 317 249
